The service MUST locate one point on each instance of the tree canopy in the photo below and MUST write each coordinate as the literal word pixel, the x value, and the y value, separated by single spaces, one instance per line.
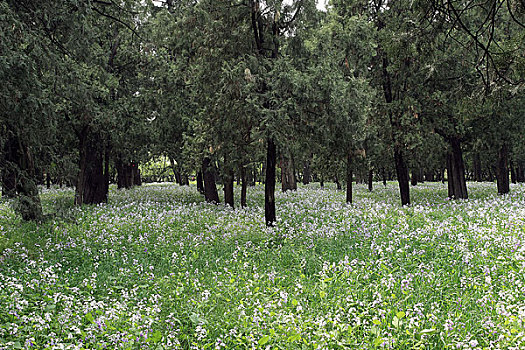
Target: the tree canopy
pixel 259 90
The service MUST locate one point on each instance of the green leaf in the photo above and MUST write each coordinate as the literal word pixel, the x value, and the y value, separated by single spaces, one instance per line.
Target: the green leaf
pixel 396 322
pixel 156 337
pixel 295 302
pixel 428 331
pixel 378 341
pixel 294 338
pixel 89 317
pixel 264 340
pixel 400 314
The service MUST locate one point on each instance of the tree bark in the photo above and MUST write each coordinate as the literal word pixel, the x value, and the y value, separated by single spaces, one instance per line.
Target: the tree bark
pixel 244 185
pixel 383 174
pixel 457 185
pixel 269 186
pixel 414 179
pixel 370 179
pixel 48 180
pixel 210 187
pixel 502 170
pixel 229 198
pixel 288 181
pixel 9 167
pixel 337 183
pixel 349 175
pixel 128 174
pixel 91 181
pixel 402 176
pixel 306 172
pixel 200 183
pixel 399 161
pixel 29 199
pixel 520 172
pixel 477 168
pixel 19 178
pixel 254 182
pixel 513 176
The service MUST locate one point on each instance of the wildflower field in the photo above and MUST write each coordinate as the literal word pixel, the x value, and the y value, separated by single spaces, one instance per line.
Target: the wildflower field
pixel 156 268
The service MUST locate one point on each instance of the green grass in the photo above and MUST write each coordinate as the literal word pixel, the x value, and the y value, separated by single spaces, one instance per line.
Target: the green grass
pixel 157 268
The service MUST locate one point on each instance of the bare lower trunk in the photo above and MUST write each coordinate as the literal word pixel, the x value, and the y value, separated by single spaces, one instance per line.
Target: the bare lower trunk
pixel 414 179
pixel 337 183
pixel 269 186
pixel 288 180
pixel 244 186
pixel 370 180
pixel 402 176
pixel 128 174
pixel 200 183
pixel 306 172
pixel 349 175
pixel 210 187
pixel 457 185
pixel 91 182
pixel 20 177
pixel 513 173
pixel 228 188
pixel 502 170
pixel 520 172
pixel 48 180
pixel 477 168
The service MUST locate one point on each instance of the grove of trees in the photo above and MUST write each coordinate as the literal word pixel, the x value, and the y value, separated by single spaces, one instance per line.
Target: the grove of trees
pixel 255 90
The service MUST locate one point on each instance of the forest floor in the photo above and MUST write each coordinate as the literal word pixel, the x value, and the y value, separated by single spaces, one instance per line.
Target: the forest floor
pixel 156 268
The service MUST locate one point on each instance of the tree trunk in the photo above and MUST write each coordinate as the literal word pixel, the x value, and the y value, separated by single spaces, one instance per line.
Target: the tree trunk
pixel 402 176
pixel 502 170
pixel 338 183
pixel 457 185
pixel 128 174
pixel 228 180
pixel 48 180
pixel 383 173
pixel 91 181
pixel 415 177
pixel 306 172
pixel 29 199
pixel 137 179
pixel 370 179
pixel 288 181
pixel 10 166
pixel 513 176
pixel 244 185
pixel 184 180
pixel 200 184
pixel 269 186
pixel 254 182
pixel 19 177
pixel 321 182
pixel 477 168
pixel 520 172
pixel 263 173
pixel 349 175
pixel 210 187
pixel 429 176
